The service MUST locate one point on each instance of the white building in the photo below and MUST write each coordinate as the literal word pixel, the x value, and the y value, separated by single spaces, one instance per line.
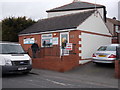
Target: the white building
pixel 80 23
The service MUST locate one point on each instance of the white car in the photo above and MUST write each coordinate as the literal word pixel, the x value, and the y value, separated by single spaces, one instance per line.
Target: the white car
pixel 105 54
pixel 14 59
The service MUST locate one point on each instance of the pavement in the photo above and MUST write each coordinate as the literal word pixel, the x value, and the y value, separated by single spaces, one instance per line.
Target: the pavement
pixel 86 76
pixel 84 61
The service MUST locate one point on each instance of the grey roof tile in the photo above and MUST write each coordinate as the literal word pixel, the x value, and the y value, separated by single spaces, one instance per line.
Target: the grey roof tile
pixel 58 23
pixel 75 6
pixel 116 22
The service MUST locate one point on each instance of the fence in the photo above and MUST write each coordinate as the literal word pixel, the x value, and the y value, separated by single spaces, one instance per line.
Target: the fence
pixel 55 51
pixel 46 51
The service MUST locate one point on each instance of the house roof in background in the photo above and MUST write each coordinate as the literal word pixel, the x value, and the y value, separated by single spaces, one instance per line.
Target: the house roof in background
pixel 76 6
pixel 114 21
pixel 69 21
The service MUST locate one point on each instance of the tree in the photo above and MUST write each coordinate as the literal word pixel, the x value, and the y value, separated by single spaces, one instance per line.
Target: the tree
pixel 12 26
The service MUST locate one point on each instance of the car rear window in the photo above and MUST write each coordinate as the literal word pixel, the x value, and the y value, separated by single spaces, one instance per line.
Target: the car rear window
pixel 107 48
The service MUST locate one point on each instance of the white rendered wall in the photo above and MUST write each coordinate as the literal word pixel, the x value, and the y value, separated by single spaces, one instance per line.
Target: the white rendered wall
pixel 110 26
pixel 90 43
pixel 101 11
pixel 53 14
pixel 94 24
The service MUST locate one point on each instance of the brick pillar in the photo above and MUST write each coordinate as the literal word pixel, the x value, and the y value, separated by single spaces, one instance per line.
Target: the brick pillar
pixel 117 63
pixel 119 38
pixel 117 69
pixel 80 46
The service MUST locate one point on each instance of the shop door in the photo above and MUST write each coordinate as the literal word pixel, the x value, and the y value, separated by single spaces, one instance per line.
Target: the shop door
pixel 64 39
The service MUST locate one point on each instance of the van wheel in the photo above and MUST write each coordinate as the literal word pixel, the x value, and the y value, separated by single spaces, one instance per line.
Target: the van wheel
pixel 27 72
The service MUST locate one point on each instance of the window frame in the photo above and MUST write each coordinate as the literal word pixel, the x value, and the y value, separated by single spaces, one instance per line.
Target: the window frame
pixel 46 38
pixel 116 28
pixel 61 43
pixel 30 39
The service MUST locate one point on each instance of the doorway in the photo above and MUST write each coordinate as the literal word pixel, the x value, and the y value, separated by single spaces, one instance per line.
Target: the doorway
pixel 64 39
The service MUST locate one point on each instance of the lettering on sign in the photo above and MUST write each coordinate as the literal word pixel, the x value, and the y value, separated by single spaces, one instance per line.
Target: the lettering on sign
pixel 69 46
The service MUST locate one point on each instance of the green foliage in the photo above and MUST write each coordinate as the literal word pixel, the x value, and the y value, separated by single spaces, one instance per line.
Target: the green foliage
pixel 12 26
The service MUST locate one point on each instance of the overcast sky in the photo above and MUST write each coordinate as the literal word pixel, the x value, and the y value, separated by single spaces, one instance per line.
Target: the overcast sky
pixel 36 9
pixel 119 11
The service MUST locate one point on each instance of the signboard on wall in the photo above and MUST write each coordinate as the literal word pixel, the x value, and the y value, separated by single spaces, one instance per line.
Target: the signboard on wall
pixel 69 46
pixel 29 40
pixel 55 41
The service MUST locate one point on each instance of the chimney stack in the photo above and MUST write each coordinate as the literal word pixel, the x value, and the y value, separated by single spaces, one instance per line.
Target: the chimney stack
pixel 114 18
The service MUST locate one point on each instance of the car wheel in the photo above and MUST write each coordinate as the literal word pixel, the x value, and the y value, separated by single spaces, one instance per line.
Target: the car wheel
pixel 97 63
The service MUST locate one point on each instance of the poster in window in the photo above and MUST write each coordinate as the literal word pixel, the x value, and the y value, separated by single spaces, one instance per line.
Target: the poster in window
pixel 55 41
pixel 47 40
pixel 29 41
pixel 46 35
pixel 64 39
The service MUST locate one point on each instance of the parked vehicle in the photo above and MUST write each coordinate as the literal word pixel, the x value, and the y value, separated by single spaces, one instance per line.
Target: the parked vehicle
pixel 105 54
pixel 14 59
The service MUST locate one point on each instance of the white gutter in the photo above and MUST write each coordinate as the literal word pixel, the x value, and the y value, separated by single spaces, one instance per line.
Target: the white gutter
pixel 46 32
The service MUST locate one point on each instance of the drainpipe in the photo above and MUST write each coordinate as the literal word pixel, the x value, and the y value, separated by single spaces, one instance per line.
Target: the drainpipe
pixel 117 63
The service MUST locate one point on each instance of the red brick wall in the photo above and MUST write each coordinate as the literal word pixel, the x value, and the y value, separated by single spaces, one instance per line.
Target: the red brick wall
pixel 119 38
pixel 47 51
pixel 114 41
pixel 27 46
pixel 62 64
pixel 52 62
pixel 76 40
pixel 117 69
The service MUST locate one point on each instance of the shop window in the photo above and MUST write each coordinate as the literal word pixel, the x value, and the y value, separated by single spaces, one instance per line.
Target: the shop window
pixel 116 28
pixel 29 40
pixel 46 40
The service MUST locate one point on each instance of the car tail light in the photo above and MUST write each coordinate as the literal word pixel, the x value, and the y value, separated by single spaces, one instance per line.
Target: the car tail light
pixel 112 56
pixel 93 55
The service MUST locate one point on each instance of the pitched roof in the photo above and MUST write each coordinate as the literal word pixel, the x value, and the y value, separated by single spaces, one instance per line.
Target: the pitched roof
pixel 114 21
pixel 58 23
pixel 76 6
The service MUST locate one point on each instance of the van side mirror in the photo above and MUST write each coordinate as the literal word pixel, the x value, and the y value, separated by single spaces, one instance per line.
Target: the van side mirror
pixel 118 52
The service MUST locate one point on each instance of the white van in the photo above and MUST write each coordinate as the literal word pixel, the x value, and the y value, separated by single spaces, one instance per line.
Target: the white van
pixel 14 59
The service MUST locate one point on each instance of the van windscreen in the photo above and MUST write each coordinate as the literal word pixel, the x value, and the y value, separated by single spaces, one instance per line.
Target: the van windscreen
pixel 11 49
pixel 107 48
